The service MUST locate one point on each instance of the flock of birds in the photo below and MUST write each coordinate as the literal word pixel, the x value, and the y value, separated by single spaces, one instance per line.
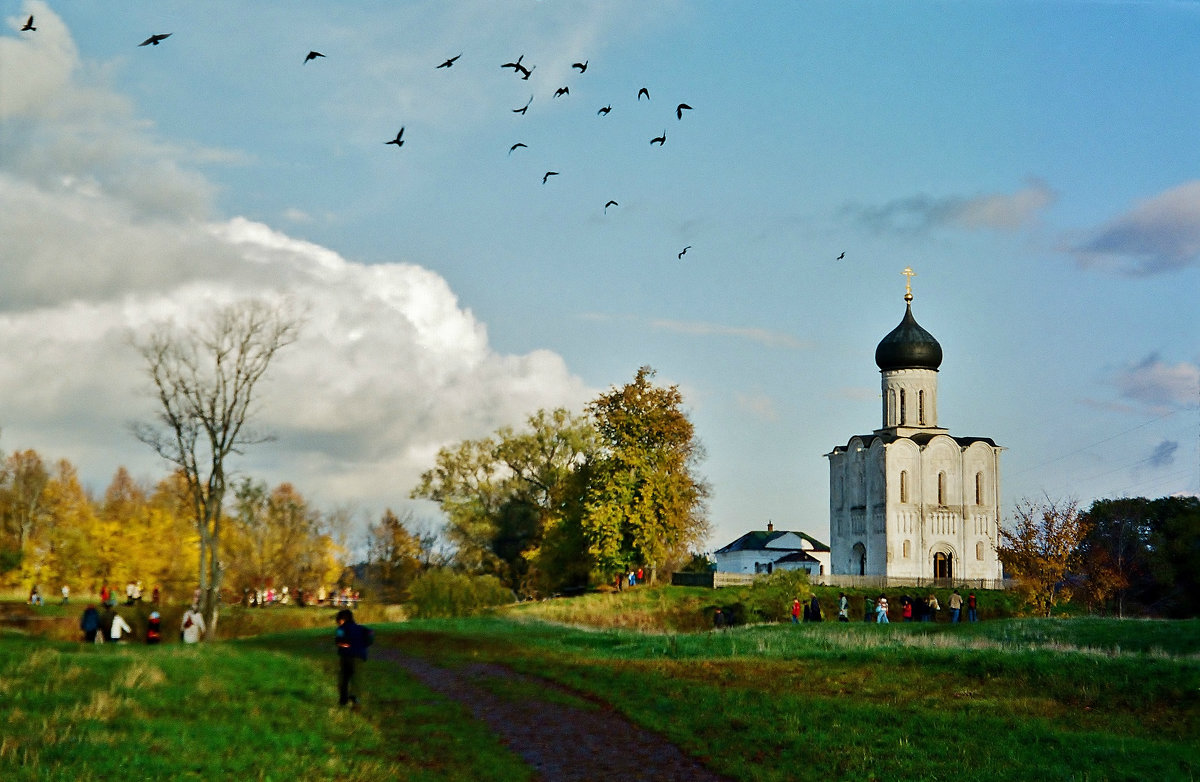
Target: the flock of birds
pixel 518 68
pixel 523 71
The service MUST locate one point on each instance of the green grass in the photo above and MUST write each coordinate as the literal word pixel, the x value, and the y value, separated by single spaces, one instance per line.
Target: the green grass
pixel 1010 699
pixel 264 711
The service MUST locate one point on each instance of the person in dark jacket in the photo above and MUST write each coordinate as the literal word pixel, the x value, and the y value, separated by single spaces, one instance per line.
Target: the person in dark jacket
pixel 347 640
pixel 89 623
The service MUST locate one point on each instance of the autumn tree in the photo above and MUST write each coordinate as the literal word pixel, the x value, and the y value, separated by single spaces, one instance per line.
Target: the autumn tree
pixel 395 554
pixel 23 479
pixel 205 381
pixel 70 537
pixel 645 504
pixel 1040 547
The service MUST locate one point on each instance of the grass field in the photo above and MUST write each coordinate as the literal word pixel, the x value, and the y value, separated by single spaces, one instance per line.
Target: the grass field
pixel 1010 699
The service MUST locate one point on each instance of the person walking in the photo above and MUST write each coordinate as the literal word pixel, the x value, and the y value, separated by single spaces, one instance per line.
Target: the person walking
pixel 843 608
pixel 89 623
pixel 796 611
pixel 118 628
pixel 972 608
pixel 881 609
pixel 869 609
pixel 191 626
pixel 932 606
pixel 66 594
pixel 814 609
pixel 352 640
pixel 956 603
pixel 154 628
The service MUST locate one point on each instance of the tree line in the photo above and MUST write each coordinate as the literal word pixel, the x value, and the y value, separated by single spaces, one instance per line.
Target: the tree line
pixel 1126 556
pixel 53 532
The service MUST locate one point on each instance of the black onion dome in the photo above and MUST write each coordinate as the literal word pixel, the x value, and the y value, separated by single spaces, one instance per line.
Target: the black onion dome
pixel 908 346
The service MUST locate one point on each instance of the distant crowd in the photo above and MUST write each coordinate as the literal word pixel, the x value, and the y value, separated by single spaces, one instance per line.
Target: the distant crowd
pixel 103 622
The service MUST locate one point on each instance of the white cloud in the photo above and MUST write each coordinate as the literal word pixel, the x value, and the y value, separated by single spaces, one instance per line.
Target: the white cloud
pixel 920 213
pixel 759 405
pixel 102 244
pixel 1157 383
pixel 1159 234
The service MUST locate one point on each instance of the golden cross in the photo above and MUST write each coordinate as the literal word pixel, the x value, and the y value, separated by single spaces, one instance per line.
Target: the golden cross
pixel 909 273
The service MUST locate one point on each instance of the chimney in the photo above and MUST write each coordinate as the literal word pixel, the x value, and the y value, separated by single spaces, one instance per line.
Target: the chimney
pixel 770 526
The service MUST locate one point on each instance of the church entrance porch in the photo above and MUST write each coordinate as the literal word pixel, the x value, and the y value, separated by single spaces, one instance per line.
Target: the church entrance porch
pixel 943 565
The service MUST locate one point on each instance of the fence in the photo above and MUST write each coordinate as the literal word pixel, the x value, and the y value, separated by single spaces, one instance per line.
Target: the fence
pixel 719 579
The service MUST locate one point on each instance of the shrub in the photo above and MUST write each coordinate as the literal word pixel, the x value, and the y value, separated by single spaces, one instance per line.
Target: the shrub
pixel 443 593
pixel 770 599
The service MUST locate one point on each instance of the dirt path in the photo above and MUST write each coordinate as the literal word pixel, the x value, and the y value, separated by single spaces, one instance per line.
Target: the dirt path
pixel 561 742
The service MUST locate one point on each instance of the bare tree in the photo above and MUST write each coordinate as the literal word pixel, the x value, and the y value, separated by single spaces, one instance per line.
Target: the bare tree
pixel 205 381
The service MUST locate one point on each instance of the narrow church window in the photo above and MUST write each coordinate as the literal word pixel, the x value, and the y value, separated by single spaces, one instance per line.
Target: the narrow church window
pixel 904 485
pixel 978 488
pixel 979 551
pixel 907 549
pixel 921 407
pixel 941 488
pixel 903 417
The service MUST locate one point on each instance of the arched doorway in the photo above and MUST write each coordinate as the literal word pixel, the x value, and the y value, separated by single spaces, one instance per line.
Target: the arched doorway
pixel 858 559
pixel 943 564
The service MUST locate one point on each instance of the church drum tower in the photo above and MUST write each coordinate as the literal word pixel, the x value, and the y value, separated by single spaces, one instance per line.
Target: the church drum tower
pixel 911 501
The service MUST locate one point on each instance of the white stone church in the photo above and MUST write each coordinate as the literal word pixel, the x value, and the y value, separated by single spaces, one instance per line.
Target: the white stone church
pixel 910 500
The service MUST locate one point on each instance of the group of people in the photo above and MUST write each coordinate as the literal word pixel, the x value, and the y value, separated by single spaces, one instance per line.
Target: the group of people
pixel 877 609
pixel 108 626
pixel 920 610
pixel 630 577
pixel 270 596
pixel 811 611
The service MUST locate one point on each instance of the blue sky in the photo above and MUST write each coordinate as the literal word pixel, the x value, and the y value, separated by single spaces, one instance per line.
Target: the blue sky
pixel 1034 162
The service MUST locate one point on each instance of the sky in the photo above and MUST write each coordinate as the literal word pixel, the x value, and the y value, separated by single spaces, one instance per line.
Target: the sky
pixel 1035 163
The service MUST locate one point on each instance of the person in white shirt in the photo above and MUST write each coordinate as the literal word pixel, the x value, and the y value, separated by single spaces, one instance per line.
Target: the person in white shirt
pixel 119 626
pixel 192 625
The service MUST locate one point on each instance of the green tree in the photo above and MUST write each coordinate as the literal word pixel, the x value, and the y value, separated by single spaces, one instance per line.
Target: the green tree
pixel 1041 547
pixel 645 503
pixel 513 501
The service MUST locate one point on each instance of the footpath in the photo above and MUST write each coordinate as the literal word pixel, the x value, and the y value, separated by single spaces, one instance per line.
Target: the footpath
pixel 561 742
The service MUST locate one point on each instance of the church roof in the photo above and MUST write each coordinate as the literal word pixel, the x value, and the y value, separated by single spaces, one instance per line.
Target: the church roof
pixel 908 346
pixel 760 540
pixel 920 438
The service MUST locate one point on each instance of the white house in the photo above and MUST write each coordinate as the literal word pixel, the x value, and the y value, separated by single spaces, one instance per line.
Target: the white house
pixel 765 551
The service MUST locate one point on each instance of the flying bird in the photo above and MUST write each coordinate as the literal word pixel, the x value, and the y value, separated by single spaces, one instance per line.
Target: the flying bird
pixel 643 91
pixel 840 257
pixel 29 26
pixel 660 140
pixel 516 66
pixel 582 66
pixel 312 56
pixel 605 109
pixel 514 146
pixel 524 108
pixel 527 71
pixel 610 203
pixel 682 107
pixel 449 63
pixel 562 91
pixel 398 140
pixel 154 40
pixel 683 252
pixel 548 175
